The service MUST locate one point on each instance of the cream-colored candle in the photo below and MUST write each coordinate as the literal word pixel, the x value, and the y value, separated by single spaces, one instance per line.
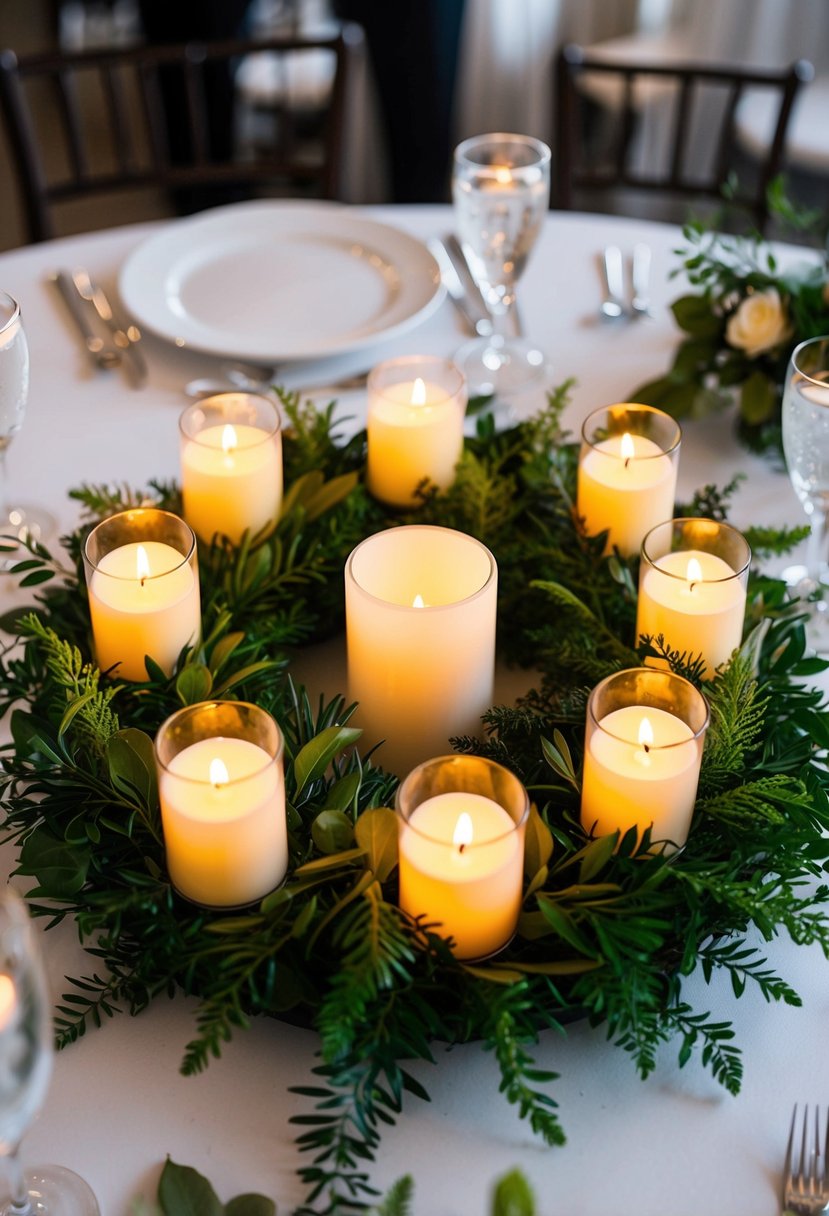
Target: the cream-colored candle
pixel 697 601
pixel 231 480
pixel 626 484
pixel 641 769
pixel 414 427
pixel 420 607
pixel 143 600
pixel 461 864
pixel 223 814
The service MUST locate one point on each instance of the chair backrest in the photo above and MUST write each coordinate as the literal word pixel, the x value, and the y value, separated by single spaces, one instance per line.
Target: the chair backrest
pixel 665 129
pixel 101 122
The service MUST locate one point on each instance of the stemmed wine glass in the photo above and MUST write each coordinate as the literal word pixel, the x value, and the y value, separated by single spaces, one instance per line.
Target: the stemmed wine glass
pixel 501 192
pixel 806 448
pixel 25 1070
pixel 18 520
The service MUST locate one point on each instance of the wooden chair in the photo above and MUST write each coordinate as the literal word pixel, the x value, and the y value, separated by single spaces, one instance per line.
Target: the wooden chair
pixel 692 99
pixel 99 123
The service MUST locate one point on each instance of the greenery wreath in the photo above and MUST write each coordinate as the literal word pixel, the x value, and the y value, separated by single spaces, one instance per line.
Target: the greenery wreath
pixel 609 931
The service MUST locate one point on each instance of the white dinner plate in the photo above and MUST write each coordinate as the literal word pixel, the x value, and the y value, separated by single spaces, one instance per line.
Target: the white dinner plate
pixel 274 281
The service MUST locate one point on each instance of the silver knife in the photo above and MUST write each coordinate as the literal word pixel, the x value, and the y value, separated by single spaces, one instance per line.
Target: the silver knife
pixel 102 355
pixel 125 336
pixel 476 323
pixel 473 291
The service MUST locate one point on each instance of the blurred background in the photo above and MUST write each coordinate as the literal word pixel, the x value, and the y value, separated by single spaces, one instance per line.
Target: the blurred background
pixel 432 72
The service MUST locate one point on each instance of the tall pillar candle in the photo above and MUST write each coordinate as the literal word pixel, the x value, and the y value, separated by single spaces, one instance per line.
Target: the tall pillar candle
pixel 643 747
pixel 143 583
pixel 692 589
pixel 222 794
pixel 627 473
pixel 414 426
pixel 231 465
pixel 420 608
pixel 462 822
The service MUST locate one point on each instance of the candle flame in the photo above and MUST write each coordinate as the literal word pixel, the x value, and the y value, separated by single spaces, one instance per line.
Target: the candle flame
pixel 628 450
pixel 645 734
pixel 218 773
pixel 8 1000
pixel 463 832
pixel 693 573
pixel 503 174
pixel 418 392
pixel 229 440
pixel 142 564
pixel 417 602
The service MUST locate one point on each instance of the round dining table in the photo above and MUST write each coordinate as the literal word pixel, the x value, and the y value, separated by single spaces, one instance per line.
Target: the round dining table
pixel 118 1105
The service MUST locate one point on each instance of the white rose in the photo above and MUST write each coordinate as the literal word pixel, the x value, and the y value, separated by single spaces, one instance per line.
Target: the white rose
pixel 759 324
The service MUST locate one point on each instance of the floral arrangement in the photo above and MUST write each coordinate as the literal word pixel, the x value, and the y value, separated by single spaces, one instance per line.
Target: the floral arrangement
pixel 609 931
pixel 741 324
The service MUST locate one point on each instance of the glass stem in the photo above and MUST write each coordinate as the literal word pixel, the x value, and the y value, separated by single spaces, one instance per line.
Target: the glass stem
pixel 5 505
pixel 20 1203
pixel 817 545
pixel 500 303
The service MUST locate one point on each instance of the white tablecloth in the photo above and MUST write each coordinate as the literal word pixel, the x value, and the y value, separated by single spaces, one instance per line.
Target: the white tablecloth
pixel 117 1106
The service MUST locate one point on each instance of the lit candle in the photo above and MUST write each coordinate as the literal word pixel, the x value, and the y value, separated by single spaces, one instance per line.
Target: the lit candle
pixel 222 809
pixel 144 593
pixel 8 1000
pixel 627 478
pixel 414 427
pixel 642 762
pixel 461 854
pixel 694 598
pixel 420 607
pixel 231 465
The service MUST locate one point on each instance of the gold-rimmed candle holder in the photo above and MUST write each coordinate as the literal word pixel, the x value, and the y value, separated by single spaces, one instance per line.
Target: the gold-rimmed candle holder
pixel 693 578
pixel 644 738
pixel 142 579
pixel 222 793
pixel 627 473
pixel 462 822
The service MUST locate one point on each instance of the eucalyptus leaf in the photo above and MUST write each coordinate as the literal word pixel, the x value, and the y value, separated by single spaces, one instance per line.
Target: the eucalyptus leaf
pixel 332 832
pixel 376 832
pixel 250 1205
pixel 132 767
pixel 183 1191
pixel 60 868
pixel 194 683
pixel 513 1196
pixel 314 758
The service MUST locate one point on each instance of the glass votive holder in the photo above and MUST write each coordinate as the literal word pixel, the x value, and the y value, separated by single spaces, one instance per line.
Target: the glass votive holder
pixel 627 473
pixel 420 606
pixel 222 792
pixel 692 589
pixel 142 578
pixel 644 737
pixel 231 465
pixel 462 822
pixel 414 425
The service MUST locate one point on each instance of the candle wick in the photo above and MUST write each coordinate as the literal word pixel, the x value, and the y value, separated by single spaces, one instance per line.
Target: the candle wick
pixel 647 747
pixel 141 580
pixel 461 848
pixel 627 461
pixel 691 586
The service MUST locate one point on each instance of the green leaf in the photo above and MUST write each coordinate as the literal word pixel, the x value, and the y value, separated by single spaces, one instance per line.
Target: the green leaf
pixel 332 832
pixel 60 868
pixel 538 843
pixel 342 793
pixel 250 1205
pixel 314 758
pixel 512 1196
pixel 193 683
pixel 376 831
pixel 758 398
pixel 182 1191
pixel 132 766
pixel 694 315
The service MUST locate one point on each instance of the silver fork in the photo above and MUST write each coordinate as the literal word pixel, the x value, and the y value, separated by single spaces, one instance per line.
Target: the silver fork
pixel 806 1180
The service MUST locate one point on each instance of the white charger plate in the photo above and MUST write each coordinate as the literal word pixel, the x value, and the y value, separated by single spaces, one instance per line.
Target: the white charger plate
pixel 275 281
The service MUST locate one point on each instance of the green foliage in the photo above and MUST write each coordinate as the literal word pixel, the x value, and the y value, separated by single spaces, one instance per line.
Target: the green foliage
pixel 608 930
pixel 712 367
